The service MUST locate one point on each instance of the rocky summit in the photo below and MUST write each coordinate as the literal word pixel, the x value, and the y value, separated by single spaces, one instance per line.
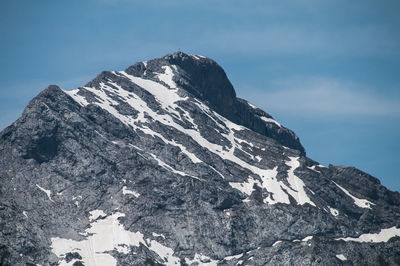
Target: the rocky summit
pixel 161 164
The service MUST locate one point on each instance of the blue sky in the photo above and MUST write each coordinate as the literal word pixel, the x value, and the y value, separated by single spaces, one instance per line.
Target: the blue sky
pixel 329 70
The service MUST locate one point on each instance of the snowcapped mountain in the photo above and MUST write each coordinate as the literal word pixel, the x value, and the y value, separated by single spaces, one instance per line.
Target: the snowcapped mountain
pixel 161 164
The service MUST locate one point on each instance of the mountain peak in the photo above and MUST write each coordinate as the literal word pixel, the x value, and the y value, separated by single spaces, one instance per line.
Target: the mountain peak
pixel 206 80
pixel 179 55
pixel 161 164
pixel 199 75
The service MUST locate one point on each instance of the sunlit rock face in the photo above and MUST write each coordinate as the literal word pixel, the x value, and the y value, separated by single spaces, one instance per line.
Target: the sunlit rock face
pixel 161 164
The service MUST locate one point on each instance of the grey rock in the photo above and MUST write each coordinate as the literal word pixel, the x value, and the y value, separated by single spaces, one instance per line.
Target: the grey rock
pixel 189 180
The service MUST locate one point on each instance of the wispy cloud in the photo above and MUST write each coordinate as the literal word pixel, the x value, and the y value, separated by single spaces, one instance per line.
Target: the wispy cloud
pixel 319 96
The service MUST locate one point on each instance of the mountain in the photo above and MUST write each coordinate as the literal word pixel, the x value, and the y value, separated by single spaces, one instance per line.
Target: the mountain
pixel 161 164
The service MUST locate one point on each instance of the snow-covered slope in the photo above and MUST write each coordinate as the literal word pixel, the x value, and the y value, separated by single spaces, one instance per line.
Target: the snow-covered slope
pixel 162 164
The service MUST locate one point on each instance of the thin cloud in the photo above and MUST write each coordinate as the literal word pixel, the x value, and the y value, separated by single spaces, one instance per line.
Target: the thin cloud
pixel 324 97
pixel 301 40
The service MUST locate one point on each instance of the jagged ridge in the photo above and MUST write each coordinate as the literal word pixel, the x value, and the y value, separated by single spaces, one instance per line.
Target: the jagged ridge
pixel 207 81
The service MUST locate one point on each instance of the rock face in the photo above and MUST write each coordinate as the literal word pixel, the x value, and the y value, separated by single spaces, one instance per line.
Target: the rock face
pixel 161 164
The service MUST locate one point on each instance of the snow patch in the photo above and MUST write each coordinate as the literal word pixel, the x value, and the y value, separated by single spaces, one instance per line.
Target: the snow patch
pixel 307 238
pixel 234 257
pixel 126 191
pixel 158 235
pixel 170 168
pixel 278 190
pixel 47 191
pixel 104 236
pixel 252 105
pixel 165 253
pixel 96 214
pixel 270 120
pixel 276 243
pixel 297 185
pixel 197 57
pixel 215 170
pixel 383 236
pixel 167 77
pixel 333 211
pixel 313 168
pixel 341 257
pixel 246 187
pixel 362 203
pixel 201 260
pixel 78 98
